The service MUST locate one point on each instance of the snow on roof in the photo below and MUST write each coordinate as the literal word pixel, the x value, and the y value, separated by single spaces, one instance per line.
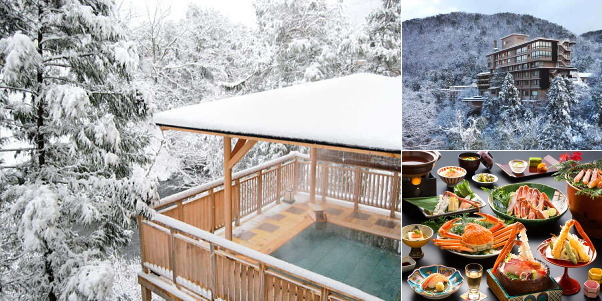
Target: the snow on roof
pixel 358 111
pixel 585 74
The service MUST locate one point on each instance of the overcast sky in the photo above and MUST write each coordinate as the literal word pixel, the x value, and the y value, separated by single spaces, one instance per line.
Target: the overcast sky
pixel 240 11
pixel 578 16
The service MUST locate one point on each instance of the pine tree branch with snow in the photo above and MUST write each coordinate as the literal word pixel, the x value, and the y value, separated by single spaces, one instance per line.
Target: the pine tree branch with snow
pixel 77 199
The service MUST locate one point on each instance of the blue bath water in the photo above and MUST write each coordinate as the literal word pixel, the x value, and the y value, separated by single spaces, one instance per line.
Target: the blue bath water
pixel 364 261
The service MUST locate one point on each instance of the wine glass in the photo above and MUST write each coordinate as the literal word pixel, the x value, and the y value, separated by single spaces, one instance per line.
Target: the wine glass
pixel 474 272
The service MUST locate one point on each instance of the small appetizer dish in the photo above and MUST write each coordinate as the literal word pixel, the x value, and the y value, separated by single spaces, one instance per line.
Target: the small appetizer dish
pixel 485 179
pixel 518 166
pixel 451 175
pixel 407 264
pixel 529 203
pixel 416 236
pixel 435 282
pixel 474 237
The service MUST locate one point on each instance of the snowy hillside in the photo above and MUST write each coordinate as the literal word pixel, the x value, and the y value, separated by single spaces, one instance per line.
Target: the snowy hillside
pixel 450 49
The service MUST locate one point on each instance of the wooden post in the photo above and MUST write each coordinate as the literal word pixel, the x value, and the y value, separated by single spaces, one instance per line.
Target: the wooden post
pixel 180 211
pixel 172 256
pixel 228 187
pixel 324 181
pixel 312 175
pixel 357 185
pixel 213 271
pixel 212 213
pixel 147 295
pixel 278 183
pixel 394 193
pixel 142 248
pixel 259 197
pixel 295 174
pixel 263 285
pixel 237 201
pixel 325 294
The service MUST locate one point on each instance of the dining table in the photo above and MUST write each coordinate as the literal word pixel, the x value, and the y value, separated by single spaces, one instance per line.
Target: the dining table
pixel 433 255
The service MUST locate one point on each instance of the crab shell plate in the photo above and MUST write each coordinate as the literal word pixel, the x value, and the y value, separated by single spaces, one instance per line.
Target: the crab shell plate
pixel 521 287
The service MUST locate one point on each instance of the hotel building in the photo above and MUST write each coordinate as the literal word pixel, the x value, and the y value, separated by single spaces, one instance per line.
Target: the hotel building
pixel 532 63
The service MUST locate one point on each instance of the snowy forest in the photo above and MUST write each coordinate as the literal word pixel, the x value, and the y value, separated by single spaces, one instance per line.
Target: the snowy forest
pixel 79 156
pixel 451 49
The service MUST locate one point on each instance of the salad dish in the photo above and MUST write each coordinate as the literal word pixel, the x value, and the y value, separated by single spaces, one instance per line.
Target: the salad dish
pixel 529 203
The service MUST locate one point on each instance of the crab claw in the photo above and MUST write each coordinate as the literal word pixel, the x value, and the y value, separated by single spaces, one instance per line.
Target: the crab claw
pixel 488 218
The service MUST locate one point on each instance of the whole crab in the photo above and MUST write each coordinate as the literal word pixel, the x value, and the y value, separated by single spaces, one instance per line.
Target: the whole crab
pixel 475 238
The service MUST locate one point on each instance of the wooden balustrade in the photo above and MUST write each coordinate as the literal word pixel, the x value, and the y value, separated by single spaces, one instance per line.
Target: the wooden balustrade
pixel 210 267
pixel 254 189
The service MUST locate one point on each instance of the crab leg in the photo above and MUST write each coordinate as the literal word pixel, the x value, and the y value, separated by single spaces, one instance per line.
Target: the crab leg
pixel 445 228
pixel 488 218
pixel 516 227
pixel 579 176
pixel 452 245
pixel 584 235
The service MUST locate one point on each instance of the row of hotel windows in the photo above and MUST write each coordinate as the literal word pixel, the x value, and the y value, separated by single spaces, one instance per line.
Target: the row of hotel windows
pixel 523 58
pixel 534 45
pixel 533 93
pixel 520 66
pixel 520 83
pixel 526 74
pixel 541 44
pixel 536 54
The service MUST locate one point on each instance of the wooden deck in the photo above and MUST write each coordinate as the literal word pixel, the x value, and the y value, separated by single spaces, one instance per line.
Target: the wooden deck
pixel 267 232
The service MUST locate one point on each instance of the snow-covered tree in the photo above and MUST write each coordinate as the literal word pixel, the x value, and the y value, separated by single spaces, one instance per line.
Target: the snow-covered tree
pixel 66 90
pixel 561 99
pixel 381 46
pixel 301 41
pixel 510 105
pixel 596 96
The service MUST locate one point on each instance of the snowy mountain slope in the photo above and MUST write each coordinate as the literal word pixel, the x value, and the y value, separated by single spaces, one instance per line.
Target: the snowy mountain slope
pixel 450 49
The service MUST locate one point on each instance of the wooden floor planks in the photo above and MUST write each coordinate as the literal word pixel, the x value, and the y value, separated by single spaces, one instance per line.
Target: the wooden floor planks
pixel 278 227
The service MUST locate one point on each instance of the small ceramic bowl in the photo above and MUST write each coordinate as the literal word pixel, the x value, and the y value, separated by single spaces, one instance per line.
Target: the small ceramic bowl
pixel 469 161
pixel 451 181
pixel 518 166
pixel 455 281
pixel 485 184
pixel 407 264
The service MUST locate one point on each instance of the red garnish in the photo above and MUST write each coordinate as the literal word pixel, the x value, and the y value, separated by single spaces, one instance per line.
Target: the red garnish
pixel 576 156
pixel 564 157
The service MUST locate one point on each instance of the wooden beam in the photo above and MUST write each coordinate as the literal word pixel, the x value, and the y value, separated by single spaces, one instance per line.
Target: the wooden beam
pixel 276 140
pixel 312 175
pixel 237 154
pixel 238 145
pixel 228 187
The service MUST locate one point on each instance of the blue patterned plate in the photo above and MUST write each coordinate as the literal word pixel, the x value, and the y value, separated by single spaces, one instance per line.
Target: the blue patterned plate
pixel 454 276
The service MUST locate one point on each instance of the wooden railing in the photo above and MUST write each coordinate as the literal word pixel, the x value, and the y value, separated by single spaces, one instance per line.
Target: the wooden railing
pixel 210 267
pixel 177 243
pixel 255 188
